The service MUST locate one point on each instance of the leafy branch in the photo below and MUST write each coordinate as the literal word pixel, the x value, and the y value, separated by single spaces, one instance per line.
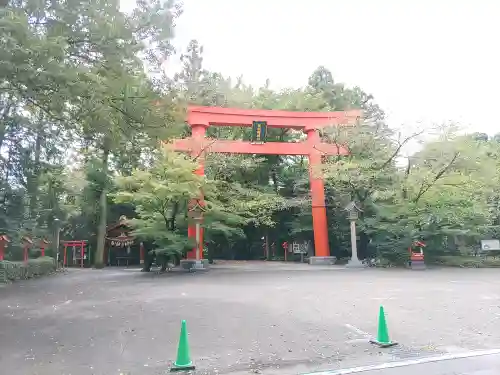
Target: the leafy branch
pixel 427 185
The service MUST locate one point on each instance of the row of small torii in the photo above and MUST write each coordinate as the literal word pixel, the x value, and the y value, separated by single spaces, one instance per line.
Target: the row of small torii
pixel 27 243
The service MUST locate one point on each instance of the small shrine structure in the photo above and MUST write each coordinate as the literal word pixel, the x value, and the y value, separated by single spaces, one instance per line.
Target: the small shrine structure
pixel 122 248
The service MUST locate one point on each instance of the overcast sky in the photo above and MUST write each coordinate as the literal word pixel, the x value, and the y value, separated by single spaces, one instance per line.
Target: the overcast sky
pixel 424 61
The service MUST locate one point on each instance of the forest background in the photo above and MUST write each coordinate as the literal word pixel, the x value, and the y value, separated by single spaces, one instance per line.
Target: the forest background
pixel 84 104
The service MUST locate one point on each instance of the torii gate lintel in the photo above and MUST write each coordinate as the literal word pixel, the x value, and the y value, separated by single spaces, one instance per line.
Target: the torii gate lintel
pixel 200 118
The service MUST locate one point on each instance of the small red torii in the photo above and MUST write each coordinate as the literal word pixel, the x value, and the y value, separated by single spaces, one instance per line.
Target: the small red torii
pixel 418 253
pixel 200 118
pixel 81 244
pixel 4 240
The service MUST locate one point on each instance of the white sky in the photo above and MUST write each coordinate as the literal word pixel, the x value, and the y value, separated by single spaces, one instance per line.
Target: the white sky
pixel 425 61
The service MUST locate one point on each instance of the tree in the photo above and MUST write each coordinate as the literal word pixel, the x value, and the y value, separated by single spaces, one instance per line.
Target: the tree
pixel 78 69
pixel 119 104
pixel 84 104
pixel 162 193
pixel 160 196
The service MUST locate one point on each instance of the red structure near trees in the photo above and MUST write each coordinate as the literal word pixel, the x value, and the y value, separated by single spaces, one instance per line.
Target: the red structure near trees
pixel 27 243
pixel 43 245
pixel 200 118
pixel 74 258
pixel 4 240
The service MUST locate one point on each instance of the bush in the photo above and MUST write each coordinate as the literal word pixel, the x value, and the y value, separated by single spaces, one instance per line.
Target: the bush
pixel 467 261
pixel 10 271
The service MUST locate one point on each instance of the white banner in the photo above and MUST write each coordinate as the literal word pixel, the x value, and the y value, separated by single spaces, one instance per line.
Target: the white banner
pixel 488 245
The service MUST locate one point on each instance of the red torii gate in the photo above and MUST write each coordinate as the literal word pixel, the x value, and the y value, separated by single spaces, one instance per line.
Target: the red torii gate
pixel 200 118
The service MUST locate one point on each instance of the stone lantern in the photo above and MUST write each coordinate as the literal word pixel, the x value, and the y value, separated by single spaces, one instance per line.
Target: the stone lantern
pixel 195 214
pixel 353 214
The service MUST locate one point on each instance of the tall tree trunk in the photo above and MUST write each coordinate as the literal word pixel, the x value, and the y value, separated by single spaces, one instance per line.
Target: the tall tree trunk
pixel 6 105
pixel 3 131
pixel 175 210
pixel 103 208
pixel 35 172
pixel 267 245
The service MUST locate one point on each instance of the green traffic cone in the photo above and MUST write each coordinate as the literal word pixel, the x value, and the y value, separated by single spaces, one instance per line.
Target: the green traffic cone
pixel 383 333
pixel 183 361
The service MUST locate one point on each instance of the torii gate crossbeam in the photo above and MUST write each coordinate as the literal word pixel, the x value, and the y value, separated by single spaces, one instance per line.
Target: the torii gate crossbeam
pixel 200 118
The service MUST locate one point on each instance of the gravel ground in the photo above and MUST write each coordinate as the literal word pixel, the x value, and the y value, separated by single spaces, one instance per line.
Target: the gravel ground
pixel 243 317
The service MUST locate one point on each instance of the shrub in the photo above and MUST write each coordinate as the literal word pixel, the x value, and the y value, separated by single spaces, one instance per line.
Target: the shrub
pixel 468 261
pixel 10 271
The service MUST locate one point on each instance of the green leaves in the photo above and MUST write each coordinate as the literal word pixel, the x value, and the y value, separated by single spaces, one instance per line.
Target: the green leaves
pixel 160 196
pixel 439 196
pixel 76 76
pixel 162 193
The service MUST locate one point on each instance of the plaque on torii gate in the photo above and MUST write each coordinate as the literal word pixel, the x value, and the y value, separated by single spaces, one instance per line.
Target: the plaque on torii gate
pixel 200 118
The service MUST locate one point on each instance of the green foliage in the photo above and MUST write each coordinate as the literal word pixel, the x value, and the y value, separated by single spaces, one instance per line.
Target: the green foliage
pixel 468 261
pixel 434 198
pixel 158 194
pixel 161 197
pixel 11 271
pixel 84 104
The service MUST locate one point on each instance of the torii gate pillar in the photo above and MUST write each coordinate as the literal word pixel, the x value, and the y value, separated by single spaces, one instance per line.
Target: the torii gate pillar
pixel 198 132
pixel 320 223
pixel 200 118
